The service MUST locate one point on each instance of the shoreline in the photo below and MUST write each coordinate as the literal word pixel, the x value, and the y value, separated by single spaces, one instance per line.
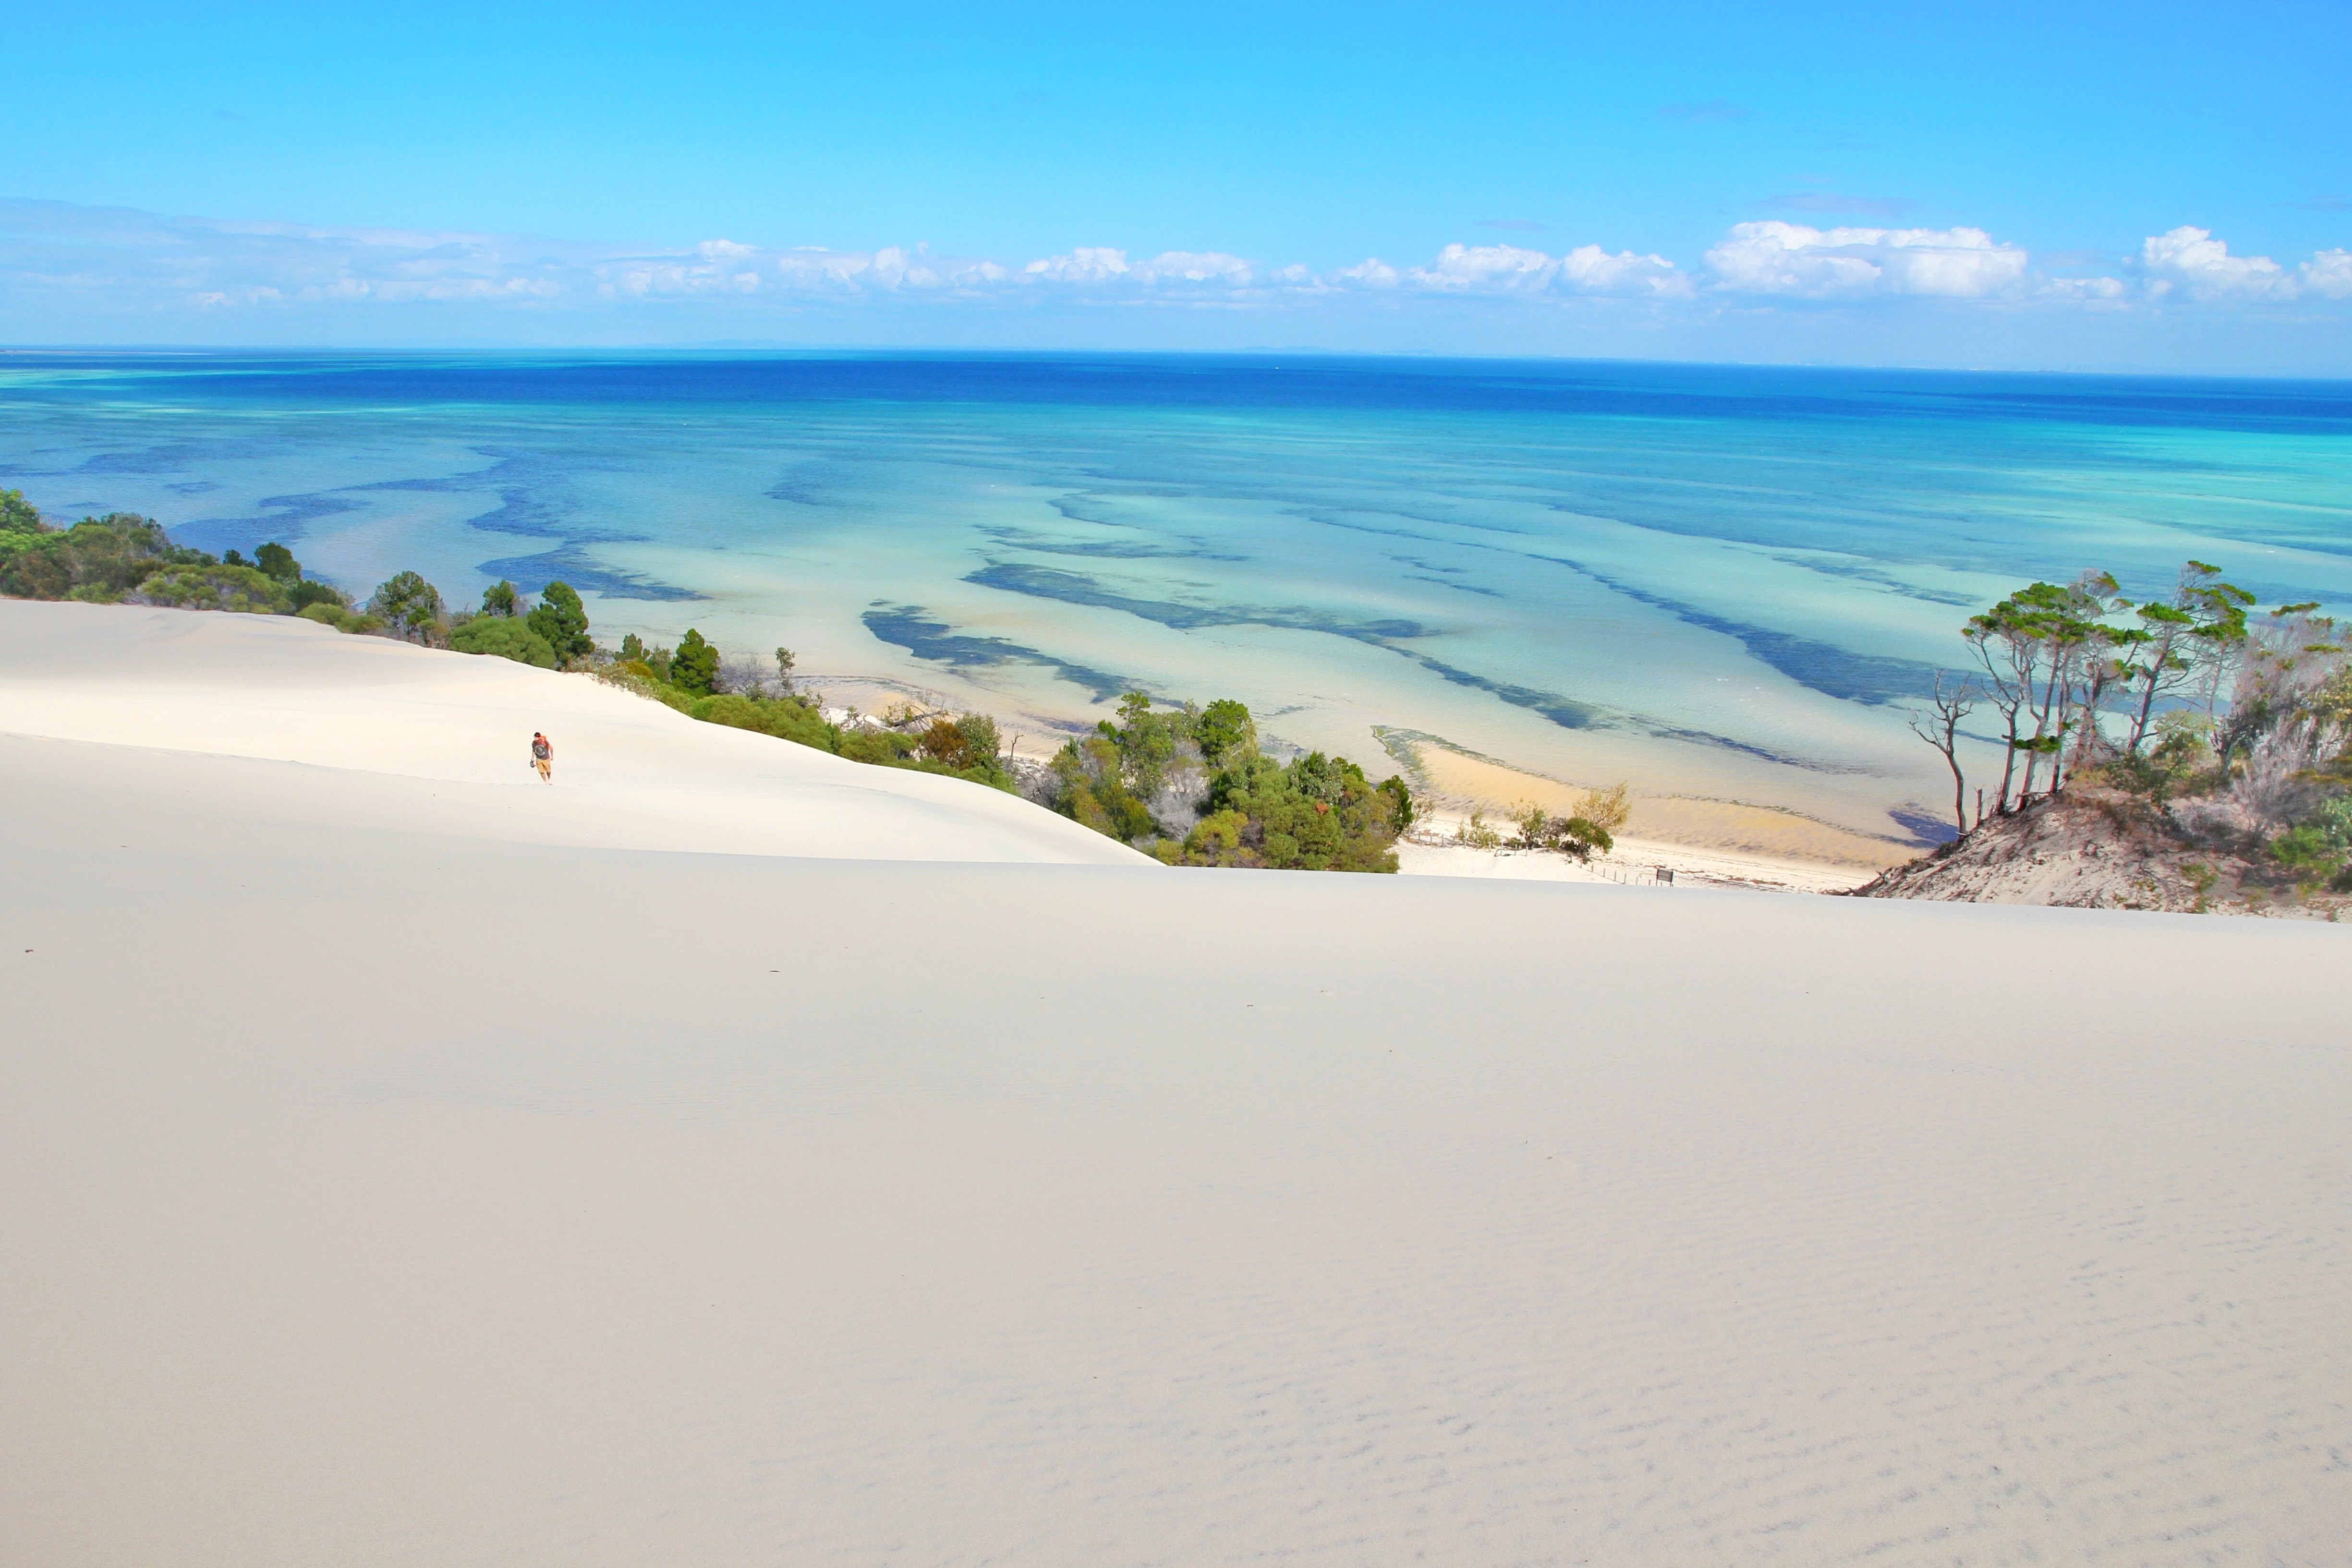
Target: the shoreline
pixel 1728 844
pixel 1634 862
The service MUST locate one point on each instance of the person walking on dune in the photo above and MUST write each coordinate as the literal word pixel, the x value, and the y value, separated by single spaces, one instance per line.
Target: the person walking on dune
pixel 542 757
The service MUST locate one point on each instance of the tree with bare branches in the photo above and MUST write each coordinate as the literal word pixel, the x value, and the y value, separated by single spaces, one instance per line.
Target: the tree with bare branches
pixel 1939 726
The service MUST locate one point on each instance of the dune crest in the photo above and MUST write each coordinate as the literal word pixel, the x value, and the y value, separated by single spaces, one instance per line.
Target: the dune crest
pixel 384 732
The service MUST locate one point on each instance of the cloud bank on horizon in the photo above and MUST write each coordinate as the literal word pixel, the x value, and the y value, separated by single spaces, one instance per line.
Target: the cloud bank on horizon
pixel 113 271
pixel 2153 186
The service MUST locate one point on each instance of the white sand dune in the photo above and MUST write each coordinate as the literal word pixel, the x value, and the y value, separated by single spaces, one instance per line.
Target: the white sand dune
pixel 441 742
pixel 381 1187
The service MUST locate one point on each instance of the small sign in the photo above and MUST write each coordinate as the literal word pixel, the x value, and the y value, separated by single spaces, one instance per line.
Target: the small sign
pixel 1666 875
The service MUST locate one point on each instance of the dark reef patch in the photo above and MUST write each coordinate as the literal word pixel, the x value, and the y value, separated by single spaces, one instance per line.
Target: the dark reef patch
pixel 1456 587
pixel 820 481
pixel 1102 549
pixel 169 459
pixel 285 518
pixel 1069 587
pixel 573 564
pixel 1566 712
pixel 1877 579
pixel 910 626
pixel 529 486
pixel 1569 713
pixel 1824 667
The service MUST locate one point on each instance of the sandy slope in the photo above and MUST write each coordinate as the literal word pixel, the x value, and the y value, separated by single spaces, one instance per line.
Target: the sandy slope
pixel 441 741
pixel 387 1194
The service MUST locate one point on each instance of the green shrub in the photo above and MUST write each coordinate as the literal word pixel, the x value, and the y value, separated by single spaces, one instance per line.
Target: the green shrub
pixel 1225 733
pixel 341 617
pixel 98 559
pixel 2305 848
pixel 1313 813
pixel 276 560
pixel 562 620
pixel 504 639
pixel 637 678
pixel 786 719
pixel 1091 789
pixel 1216 839
pixel 410 607
pixel 695 666
pixel 1475 832
pixel 1587 835
pixel 19 515
pixel 885 748
pixel 966 745
pixel 233 588
pixel 1400 802
pixel 982 743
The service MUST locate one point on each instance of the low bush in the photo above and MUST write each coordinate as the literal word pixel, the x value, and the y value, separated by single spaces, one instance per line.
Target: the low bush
pixel 341 616
pixel 410 609
pixel 98 559
pixel 505 638
pixel 241 589
pixel 784 718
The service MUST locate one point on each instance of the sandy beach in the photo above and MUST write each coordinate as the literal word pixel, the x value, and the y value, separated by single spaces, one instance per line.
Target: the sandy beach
pixel 736 1155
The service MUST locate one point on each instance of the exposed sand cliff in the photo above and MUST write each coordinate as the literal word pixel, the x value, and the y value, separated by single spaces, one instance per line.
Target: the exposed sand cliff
pixel 2098 849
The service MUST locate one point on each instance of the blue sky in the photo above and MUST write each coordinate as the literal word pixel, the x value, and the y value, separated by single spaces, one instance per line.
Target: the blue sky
pixel 2144 186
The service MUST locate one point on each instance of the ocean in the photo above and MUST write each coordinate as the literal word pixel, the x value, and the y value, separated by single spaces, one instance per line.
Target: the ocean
pixel 1720 582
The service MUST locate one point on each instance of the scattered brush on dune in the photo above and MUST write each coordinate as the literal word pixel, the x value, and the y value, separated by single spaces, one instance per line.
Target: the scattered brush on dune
pixel 2193 754
pixel 2102 846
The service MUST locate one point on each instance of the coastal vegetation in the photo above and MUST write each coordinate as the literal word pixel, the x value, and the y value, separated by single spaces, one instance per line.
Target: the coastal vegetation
pixel 1192 786
pixel 1590 828
pixel 97 560
pixel 123 559
pixel 2202 742
pixel 2199 738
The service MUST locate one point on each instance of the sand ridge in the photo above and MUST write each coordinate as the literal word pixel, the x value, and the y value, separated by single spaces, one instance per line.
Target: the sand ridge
pixel 442 740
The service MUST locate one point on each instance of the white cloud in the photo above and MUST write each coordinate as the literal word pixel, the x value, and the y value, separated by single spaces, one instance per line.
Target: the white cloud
pixel 1595 271
pixel 1197 267
pixel 2085 290
pixel 1370 273
pixel 2328 275
pixel 1486 269
pixel 1775 257
pixel 55 258
pixel 2193 262
pixel 1509 270
pixel 1086 264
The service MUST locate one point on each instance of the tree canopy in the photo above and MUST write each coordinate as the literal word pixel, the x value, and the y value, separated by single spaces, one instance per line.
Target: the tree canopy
pixel 695 666
pixel 506 638
pixel 562 620
pixel 1193 787
pixel 410 607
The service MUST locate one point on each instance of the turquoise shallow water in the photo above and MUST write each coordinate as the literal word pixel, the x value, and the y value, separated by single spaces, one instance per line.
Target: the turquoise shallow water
pixel 1713 581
